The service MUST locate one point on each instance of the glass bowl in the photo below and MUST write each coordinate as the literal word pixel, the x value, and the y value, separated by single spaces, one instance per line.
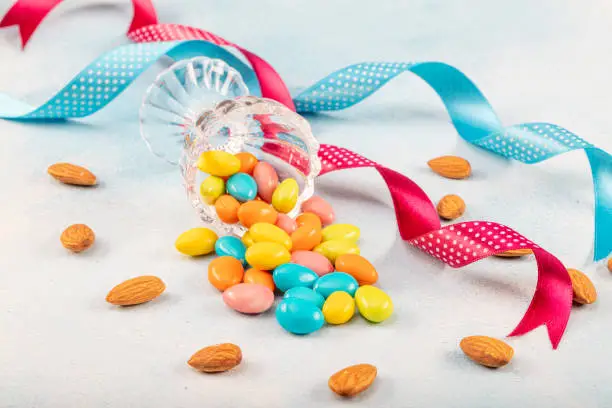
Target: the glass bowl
pixel 203 104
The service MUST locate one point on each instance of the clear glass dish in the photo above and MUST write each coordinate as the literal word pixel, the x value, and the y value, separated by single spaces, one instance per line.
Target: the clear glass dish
pixel 203 104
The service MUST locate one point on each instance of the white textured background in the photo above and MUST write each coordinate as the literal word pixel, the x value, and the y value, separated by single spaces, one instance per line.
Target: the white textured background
pixel 61 345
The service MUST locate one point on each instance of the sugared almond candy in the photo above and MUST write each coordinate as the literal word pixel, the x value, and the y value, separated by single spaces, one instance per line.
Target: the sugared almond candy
pixel 451 207
pixel 136 291
pixel 584 290
pixel 72 174
pixel 352 380
pixel 452 167
pixel 217 358
pixel 515 253
pixel 487 351
pixel 610 264
pixel 320 207
pixel 77 237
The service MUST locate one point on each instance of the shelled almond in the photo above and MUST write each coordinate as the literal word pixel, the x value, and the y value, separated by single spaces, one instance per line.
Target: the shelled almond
pixel 584 290
pixel 451 207
pixel 136 291
pixel 487 351
pixel 77 237
pixel 72 174
pixel 217 358
pixel 452 167
pixel 352 380
pixel 515 253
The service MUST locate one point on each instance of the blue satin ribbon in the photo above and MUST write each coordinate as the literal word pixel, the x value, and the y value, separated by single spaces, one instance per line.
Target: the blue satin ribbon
pixel 470 112
pixel 110 74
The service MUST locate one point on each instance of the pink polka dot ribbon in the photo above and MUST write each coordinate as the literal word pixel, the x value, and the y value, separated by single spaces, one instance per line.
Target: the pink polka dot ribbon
pixel 270 82
pixel 458 244
pixel 28 14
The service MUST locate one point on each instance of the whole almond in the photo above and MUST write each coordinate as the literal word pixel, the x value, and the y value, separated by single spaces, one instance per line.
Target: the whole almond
pixel 72 174
pixel 352 380
pixel 451 207
pixel 515 253
pixel 77 237
pixel 217 358
pixel 136 291
pixel 452 167
pixel 487 351
pixel 584 290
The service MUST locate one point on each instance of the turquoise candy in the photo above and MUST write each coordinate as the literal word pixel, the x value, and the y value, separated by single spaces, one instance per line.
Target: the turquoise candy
pixel 291 275
pixel 231 246
pixel 335 281
pixel 299 316
pixel 242 187
pixel 307 294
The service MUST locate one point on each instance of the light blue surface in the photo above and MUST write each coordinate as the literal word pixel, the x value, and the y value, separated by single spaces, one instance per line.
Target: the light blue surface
pixel 535 61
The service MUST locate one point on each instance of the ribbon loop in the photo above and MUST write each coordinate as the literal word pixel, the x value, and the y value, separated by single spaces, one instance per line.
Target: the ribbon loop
pixel 28 14
pixel 463 243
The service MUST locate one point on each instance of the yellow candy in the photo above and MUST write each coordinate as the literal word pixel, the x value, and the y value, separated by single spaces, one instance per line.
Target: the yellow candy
pixel 218 163
pixel 212 188
pixel 196 241
pixel 338 308
pixel 265 232
pixel 285 196
pixel 267 255
pixel 373 304
pixel 345 232
pixel 334 248
pixel 247 240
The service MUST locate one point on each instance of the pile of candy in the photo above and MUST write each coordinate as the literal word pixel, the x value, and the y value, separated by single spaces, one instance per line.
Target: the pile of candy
pixel 315 263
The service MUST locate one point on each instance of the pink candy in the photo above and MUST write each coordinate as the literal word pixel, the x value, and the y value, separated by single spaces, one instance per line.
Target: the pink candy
pixel 266 178
pixel 249 298
pixel 286 223
pixel 320 207
pixel 312 260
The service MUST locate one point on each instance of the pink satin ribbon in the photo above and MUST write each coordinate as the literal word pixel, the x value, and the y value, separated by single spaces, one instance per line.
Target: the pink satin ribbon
pixel 271 84
pixel 456 245
pixel 28 14
pixel 463 243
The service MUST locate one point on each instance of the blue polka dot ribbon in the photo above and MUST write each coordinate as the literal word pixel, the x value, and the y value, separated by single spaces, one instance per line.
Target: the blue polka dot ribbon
pixel 109 75
pixel 471 114
pixel 475 121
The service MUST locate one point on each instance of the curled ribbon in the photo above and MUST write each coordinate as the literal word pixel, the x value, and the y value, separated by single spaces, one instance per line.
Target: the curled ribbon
pixel 470 113
pixel 463 243
pixel 28 14
pixel 457 245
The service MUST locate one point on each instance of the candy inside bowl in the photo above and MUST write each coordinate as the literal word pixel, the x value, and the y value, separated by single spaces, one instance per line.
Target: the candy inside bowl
pixel 218 127
pixel 250 128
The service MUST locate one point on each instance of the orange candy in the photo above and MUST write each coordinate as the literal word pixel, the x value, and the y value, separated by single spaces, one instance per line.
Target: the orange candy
pixel 224 272
pixel 308 219
pixel 305 238
pixel 256 211
pixel 254 275
pixel 227 208
pixel 247 162
pixel 358 267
